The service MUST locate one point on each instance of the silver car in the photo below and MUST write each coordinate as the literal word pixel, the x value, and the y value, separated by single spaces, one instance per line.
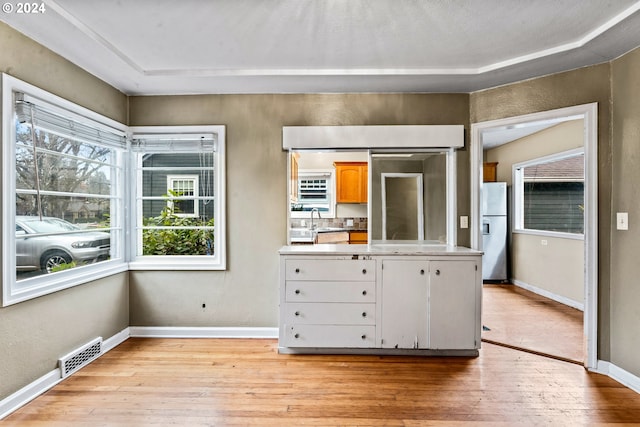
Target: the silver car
pixel 43 244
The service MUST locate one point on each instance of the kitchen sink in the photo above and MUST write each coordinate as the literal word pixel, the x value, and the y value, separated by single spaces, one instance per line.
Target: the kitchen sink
pixel 302 235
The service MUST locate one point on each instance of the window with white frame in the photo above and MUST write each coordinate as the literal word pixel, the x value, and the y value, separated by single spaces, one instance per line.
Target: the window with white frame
pixel 549 194
pixel 315 191
pixel 62 193
pixel 179 197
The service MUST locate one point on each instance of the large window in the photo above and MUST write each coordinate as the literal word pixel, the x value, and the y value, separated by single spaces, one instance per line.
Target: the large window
pixel 549 194
pixel 179 197
pixel 62 193
pixel 84 197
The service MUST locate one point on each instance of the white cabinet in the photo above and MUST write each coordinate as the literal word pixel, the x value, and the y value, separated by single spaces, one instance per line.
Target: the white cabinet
pixel 381 303
pixel 405 309
pixel 454 304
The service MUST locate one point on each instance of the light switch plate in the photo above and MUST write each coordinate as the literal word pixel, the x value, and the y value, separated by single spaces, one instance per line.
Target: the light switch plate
pixel 464 222
pixel 622 221
pixel 349 223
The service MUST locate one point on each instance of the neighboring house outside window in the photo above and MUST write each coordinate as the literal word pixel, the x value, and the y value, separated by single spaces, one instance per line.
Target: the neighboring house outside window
pixel 549 194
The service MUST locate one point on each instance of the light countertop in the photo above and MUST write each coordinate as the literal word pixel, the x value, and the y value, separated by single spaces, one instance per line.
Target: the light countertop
pixel 400 248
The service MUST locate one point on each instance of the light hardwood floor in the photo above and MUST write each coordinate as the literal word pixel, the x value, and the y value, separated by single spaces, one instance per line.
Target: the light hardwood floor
pixel 245 382
pixel 520 318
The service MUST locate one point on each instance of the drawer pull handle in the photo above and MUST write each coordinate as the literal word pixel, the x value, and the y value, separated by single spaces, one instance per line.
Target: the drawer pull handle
pixel 297 313
pixel 297 291
pixel 421 271
pixel 364 314
pixel 437 272
pixel 364 292
pixel 296 336
pixel 364 337
pixel 297 270
pixel 364 271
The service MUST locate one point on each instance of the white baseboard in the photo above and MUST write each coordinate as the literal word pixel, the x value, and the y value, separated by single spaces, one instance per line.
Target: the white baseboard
pixel 115 340
pixel 618 374
pixel 550 295
pixel 29 392
pixel 201 332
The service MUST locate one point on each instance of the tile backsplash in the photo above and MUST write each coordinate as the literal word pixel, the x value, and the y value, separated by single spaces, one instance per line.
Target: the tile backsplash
pixel 358 223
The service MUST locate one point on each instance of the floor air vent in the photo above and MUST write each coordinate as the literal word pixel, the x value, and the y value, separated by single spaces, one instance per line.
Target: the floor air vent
pixel 80 357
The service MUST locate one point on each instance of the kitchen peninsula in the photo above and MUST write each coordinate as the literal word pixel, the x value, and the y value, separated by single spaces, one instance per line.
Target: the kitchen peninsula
pixel 396 298
pixel 410 289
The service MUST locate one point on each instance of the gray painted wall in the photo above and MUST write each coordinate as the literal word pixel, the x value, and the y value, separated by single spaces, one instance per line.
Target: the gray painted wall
pixel 34 334
pixel 625 245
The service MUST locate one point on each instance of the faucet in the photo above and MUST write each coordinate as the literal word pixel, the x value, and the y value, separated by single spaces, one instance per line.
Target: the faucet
pixel 319 217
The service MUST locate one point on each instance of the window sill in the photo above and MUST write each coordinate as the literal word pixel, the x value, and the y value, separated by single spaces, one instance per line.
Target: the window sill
pixel 187 263
pixel 558 234
pixel 29 289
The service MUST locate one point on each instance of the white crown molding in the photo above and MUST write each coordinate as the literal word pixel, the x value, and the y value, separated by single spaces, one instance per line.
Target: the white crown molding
pixel 320 72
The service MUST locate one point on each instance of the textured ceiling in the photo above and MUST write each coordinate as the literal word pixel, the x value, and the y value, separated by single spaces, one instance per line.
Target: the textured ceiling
pixel 290 46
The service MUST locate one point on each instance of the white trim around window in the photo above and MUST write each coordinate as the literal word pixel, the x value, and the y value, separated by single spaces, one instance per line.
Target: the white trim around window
pixel 181 140
pixel 518 180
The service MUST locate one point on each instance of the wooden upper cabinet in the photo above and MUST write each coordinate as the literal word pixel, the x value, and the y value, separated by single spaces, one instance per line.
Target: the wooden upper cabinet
pixel 351 182
pixel 489 171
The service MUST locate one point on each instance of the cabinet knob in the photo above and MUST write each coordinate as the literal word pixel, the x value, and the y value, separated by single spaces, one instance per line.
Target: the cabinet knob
pixel 364 314
pixel 421 271
pixel 297 313
pixel 297 270
pixel 364 292
pixel 296 336
pixel 437 272
pixel 297 291
pixel 364 271
pixel 364 337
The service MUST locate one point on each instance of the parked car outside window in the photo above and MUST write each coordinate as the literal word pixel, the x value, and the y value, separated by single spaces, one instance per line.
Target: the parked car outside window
pixel 47 244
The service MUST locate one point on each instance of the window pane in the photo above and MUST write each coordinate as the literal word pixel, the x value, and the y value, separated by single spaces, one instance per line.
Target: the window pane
pixel 554 196
pixel 177 201
pixel 63 195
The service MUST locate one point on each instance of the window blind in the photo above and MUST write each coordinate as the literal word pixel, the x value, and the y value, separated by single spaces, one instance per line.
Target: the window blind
pixel 158 143
pixel 65 123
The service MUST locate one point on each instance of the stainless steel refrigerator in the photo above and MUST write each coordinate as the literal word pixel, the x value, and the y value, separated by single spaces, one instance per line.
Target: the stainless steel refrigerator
pixel 494 231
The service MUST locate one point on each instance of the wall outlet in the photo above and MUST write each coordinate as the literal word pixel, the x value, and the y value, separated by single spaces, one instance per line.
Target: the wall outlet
pixel 464 221
pixel 303 223
pixel 622 221
pixel 544 242
pixel 349 223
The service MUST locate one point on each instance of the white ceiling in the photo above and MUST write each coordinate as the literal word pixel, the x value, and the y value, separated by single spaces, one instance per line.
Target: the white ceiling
pixel 145 47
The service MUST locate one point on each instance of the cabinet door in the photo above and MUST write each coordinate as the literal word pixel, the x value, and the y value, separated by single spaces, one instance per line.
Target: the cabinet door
pixel 405 321
pixel 454 315
pixel 351 182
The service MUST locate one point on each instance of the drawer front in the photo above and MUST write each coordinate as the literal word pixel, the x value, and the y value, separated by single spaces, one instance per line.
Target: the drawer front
pixel 332 313
pixel 330 336
pixel 360 292
pixel 330 269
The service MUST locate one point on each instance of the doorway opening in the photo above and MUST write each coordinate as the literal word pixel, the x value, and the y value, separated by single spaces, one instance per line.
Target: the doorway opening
pixel 481 133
